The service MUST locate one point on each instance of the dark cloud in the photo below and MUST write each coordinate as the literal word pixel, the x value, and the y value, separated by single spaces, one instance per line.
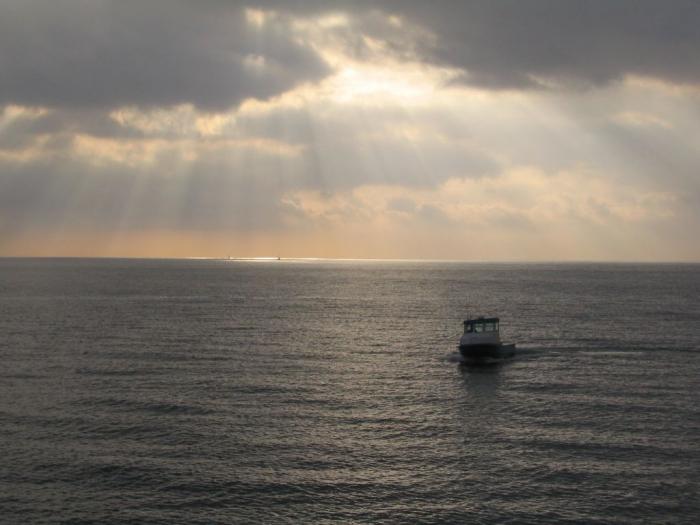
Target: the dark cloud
pixel 109 53
pixel 516 44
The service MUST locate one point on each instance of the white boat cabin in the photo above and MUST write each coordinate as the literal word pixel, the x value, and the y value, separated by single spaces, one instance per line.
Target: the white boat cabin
pixel 482 330
pixel 480 325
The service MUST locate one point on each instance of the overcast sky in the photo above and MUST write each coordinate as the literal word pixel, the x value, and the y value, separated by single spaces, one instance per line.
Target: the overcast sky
pixel 487 130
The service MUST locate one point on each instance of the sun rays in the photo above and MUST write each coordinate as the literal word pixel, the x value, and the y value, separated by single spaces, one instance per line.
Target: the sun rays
pixel 368 145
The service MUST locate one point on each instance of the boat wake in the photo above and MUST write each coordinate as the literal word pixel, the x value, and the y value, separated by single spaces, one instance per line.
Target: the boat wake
pixel 525 353
pixel 459 359
pixel 454 357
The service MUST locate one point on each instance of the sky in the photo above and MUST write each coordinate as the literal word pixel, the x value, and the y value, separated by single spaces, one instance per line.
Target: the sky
pixel 521 130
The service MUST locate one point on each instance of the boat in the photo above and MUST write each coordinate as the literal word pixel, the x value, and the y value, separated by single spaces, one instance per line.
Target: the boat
pixel 481 341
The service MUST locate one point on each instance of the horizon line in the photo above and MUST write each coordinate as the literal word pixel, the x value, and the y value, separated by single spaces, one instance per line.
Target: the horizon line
pixel 355 259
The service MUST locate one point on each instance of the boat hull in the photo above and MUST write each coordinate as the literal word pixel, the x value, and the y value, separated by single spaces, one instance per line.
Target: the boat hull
pixel 486 352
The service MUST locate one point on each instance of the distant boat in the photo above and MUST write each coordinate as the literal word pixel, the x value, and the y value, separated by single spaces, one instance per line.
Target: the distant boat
pixel 481 341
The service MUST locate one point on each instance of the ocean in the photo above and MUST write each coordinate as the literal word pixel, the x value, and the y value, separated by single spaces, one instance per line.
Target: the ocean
pixel 215 391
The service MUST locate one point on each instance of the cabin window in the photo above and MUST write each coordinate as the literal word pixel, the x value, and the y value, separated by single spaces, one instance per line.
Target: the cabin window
pixel 488 327
pixel 479 327
pixel 468 328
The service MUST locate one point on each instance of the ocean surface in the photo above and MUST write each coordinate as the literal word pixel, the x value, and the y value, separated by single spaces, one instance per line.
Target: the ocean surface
pixel 203 391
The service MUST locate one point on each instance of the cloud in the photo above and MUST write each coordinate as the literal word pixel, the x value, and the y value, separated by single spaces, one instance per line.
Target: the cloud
pixel 523 214
pixel 109 53
pixel 215 54
pixel 512 44
pixel 254 169
pixel 85 170
pixel 355 120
